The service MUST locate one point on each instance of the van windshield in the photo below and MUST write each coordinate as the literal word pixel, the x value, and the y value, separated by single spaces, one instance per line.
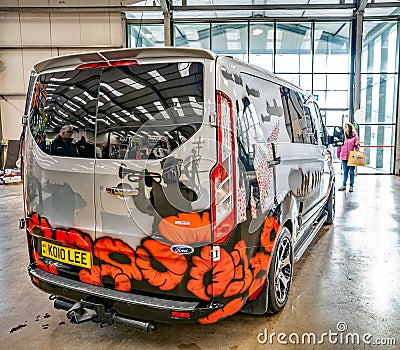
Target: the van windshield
pixel 116 109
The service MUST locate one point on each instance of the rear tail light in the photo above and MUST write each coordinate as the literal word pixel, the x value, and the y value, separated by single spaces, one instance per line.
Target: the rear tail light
pixel 180 314
pixel 223 175
pixel 105 64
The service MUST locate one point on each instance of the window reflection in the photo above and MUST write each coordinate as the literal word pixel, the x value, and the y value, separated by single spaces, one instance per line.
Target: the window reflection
pixel 293 48
pixel 147 109
pixel 146 35
pixel 192 35
pixel 262 45
pixel 332 47
pixel 230 39
pixel 64 98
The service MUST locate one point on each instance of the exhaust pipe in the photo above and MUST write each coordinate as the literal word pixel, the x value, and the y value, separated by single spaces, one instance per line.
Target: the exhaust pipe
pixel 147 327
pixel 84 311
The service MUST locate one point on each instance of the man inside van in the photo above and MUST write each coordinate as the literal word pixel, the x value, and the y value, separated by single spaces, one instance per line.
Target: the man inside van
pixel 62 145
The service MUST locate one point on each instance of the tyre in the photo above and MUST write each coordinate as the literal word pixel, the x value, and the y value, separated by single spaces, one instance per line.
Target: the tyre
pixel 280 272
pixel 330 207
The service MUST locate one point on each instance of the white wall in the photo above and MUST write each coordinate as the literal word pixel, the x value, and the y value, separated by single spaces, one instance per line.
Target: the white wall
pixel 26 38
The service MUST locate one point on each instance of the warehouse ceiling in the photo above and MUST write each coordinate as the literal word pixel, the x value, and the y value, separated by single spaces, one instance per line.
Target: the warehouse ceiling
pixel 218 9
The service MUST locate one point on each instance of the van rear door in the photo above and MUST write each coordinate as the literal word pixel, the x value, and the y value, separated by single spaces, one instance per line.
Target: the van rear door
pixel 152 189
pixel 59 191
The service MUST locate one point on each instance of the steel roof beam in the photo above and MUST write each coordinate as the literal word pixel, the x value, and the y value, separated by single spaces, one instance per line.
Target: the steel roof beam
pixel 164 7
pixel 362 4
pixel 265 7
pixel 80 9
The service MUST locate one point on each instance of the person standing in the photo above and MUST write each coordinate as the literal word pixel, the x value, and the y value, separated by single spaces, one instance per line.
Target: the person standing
pixel 62 145
pixel 42 143
pixel 83 147
pixel 351 143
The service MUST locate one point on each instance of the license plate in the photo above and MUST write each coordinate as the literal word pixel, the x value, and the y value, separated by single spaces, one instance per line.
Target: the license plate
pixel 67 255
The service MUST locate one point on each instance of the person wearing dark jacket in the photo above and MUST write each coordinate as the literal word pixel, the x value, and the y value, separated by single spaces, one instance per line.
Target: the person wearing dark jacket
pixel 85 149
pixel 62 145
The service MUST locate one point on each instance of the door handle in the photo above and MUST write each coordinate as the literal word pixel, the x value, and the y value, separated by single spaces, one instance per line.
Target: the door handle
pixel 122 191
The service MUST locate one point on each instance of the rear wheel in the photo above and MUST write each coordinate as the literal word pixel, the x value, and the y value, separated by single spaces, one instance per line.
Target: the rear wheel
pixel 280 272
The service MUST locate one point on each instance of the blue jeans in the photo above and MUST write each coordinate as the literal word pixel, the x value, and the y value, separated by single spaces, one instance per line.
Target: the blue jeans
pixel 346 170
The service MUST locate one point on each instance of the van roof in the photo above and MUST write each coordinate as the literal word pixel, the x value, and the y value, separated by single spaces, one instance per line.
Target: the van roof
pixel 121 54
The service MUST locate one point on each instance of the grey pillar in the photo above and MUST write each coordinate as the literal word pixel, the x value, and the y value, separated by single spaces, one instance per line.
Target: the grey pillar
pixel 167 22
pixel 397 142
pixel 357 59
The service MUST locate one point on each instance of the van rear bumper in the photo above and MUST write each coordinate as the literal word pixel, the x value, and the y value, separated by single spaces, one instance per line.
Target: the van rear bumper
pixel 136 306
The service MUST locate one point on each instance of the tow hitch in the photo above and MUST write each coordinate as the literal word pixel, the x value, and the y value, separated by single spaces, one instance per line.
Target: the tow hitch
pixel 80 312
pixel 84 311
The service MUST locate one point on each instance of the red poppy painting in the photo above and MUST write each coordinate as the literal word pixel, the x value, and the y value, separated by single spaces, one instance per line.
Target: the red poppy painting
pixel 45 267
pixel 91 276
pixel 117 253
pixel 229 309
pixel 73 239
pixel 242 274
pixel 160 266
pixel 270 232
pixel 98 277
pixel 210 279
pixel 186 228
pixel 39 226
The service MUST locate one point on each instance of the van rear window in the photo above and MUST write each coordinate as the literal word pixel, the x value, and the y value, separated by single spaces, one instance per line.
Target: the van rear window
pixel 138 111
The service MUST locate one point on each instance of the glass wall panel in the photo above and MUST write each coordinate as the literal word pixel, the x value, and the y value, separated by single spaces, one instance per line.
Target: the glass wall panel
pixel 313 55
pixel 262 45
pixel 378 92
pixel 338 82
pixel 230 39
pixel 379 47
pixel 293 48
pixel 332 99
pixel 195 35
pixel 332 90
pixel 332 47
pixel 333 118
pixel 304 81
pixel 380 109
pixel 145 35
pixel 380 151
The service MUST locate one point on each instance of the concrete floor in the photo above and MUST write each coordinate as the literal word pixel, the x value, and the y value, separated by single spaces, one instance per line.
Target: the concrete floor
pixel 349 275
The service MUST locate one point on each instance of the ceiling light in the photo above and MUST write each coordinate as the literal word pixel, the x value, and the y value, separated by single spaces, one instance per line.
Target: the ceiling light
pixel 257 31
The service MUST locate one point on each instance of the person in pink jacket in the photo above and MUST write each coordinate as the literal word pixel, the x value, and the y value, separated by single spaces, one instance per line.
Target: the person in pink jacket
pixel 350 144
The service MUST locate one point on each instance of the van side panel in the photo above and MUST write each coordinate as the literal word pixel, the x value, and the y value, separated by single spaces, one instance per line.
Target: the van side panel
pixel 281 161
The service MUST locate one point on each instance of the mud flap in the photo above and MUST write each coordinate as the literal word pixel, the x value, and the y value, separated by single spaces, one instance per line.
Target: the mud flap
pixel 259 306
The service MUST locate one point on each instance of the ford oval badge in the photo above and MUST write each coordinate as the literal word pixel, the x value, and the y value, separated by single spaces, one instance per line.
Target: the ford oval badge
pixel 182 249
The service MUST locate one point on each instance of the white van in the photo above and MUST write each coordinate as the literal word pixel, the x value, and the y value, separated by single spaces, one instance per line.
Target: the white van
pixel 189 185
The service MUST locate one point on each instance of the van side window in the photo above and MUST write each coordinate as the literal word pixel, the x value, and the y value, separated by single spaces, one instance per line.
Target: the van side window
pixel 298 120
pixel 319 125
pixel 311 130
pixel 248 127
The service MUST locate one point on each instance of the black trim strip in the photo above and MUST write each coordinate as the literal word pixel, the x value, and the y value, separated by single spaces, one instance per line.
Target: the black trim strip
pixel 135 299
